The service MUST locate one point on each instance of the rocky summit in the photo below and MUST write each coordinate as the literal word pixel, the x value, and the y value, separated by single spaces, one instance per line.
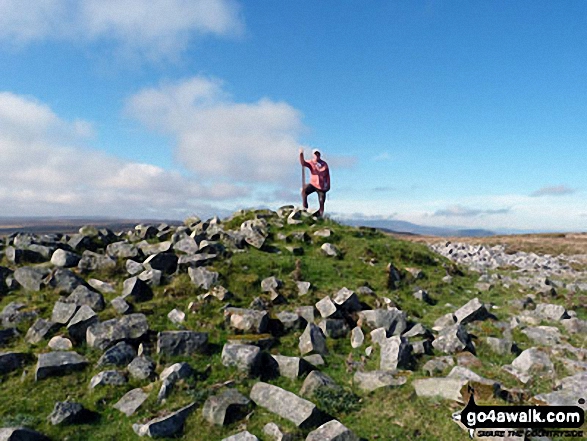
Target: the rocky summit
pixel 278 325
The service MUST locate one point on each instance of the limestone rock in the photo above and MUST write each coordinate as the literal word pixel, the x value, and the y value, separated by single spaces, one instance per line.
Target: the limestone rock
pixel 245 358
pixel 453 339
pixel 332 431
pixel 63 312
pixel 242 436
pixel 347 300
pixel 164 262
pixel 11 361
pixel 172 343
pixel 66 412
pixel 393 320
pixel 120 354
pixel 40 330
pixel 202 278
pixel 291 367
pixel 21 434
pixel 247 320
pixel 543 335
pixel 329 250
pixel 371 380
pixel 110 378
pixel 287 405
pixel 59 343
pixel 357 337
pixel 82 295
pixel 80 322
pixel 129 328
pixel 551 312
pixel 326 307
pixel 176 316
pixel 141 368
pixel 137 289
pixel 64 259
pixel 312 340
pixel 166 426
pixel 226 408
pixel 447 388
pixel 58 363
pixel 30 278
pixel 131 401
pixel 471 311
pixel 396 352
pixel 317 380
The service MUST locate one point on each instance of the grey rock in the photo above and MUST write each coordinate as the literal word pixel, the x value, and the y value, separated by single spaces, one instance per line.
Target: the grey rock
pixel 444 321
pixel 8 335
pixel 317 380
pixel 166 426
pixel 120 354
pixel 393 276
pixel 422 295
pixel 12 315
pixel 246 358
pixel 247 320
pixel 551 312
pixel 31 278
pixel 120 305
pixel 312 340
pixel 122 250
pixel 371 380
pixel 306 312
pixel 136 288
pixel 315 359
pixel 176 316
pixel 332 431
pixel 357 337
pixel 21 434
pixel 287 405
pixel 66 412
pixel 100 286
pixel 164 262
pixel 91 261
pixel 543 335
pixel 453 339
pixel 108 378
pixel 129 328
pixel 85 296
pixel 378 336
pixel 187 245
pixel 65 259
pixel 80 322
pixel 347 300
pixel 19 255
pixel 447 388
pixel 242 436
pixel 575 325
pixel 530 362
pixel 59 343
pixel 303 287
pixel 11 361
pixel 141 368
pixel 396 352
pixel 255 232
pixel 271 284
pixel 290 320
pixel 64 281
pixel 150 249
pixel 226 407
pixel 329 250
pixel 151 277
pixel 501 346
pixel 273 431
pixel 471 311
pixel 334 328
pixel 323 232
pixel 175 372
pixel 418 330
pixel 326 307
pixel 188 261
pixel 133 268
pixel 40 330
pixel 438 364
pixel 393 320
pixel 292 367
pixel 58 363
pixel 173 343
pixel 131 401
pixel 202 278
pixel 421 347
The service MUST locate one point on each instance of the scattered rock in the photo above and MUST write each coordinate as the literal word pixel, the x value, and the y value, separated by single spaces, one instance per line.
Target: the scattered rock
pixel 329 250
pixel 120 354
pixel 58 363
pixel 357 337
pixel 172 343
pixel 110 378
pixel 247 320
pixel 11 361
pixel 141 368
pixel 371 380
pixel 131 401
pixel 66 412
pixel 316 380
pixel 166 426
pixel 453 339
pixel 130 328
pixel 226 408
pixel 312 340
pixel 40 330
pixel 332 431
pixel 246 358
pixel 396 352
pixel 447 388
pixel 292 367
pixel 82 295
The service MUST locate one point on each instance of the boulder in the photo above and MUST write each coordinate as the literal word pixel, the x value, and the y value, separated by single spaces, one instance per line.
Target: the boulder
pixel 371 380
pixel 453 339
pixel 21 434
pixel 63 312
pixel 130 328
pixel 202 278
pixel 141 368
pixel 120 354
pixel 290 320
pixel 543 335
pixel 273 431
pixel 173 343
pixel 59 343
pixel 347 300
pixel 317 380
pixel 396 353
pixel 271 284
pixel 82 295
pixel 165 426
pixel 58 363
pixel 40 330
pixel 329 250
pixel 108 378
pixel 530 362
pixel 8 335
pixel 444 321
pixel 326 307
pixel 438 364
pixel 137 289
pixel 91 261
pixel 246 358
pixel 164 262
pixel 131 401
pixel 334 328
pixel 187 245
pixel 122 250
pixel 64 259
pixel 11 361
pixel 133 268
pixel 312 340
pixel 226 407
pixel 120 305
pixel 303 287
pixel 102 287
pixel 393 320
pixel 357 337
pixel 447 388
pixel 333 430
pixel 501 346
pixel 80 322
pixel 151 277
pixel 287 405
pixel 471 311
pixel 66 412
pixel 292 367
pixel 551 312
pixel 242 436
pixel 247 320
pixel 30 277
pixel 394 277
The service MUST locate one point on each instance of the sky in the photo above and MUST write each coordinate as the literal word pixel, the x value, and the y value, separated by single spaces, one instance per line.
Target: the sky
pixel 441 113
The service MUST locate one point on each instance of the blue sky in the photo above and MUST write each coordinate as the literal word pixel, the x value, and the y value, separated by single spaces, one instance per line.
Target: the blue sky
pixel 440 113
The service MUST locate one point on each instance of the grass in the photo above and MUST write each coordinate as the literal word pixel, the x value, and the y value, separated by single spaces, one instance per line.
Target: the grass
pixel 384 414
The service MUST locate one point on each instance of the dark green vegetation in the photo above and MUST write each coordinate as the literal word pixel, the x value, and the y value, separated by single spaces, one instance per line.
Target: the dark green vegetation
pixel 385 414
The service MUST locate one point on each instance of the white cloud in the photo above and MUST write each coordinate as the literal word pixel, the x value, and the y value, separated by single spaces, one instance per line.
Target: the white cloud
pixel 460 211
pixel 222 140
pixel 154 28
pixel 46 168
pixel 557 190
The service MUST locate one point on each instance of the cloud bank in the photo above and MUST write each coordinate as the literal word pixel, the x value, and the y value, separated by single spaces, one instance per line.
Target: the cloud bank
pixel 460 211
pixel 558 190
pixel 153 28
pixel 47 168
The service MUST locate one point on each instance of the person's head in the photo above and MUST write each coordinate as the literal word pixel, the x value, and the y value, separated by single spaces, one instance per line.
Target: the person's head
pixel 316 153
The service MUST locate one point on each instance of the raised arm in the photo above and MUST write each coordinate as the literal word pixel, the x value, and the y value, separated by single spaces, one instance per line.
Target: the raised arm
pixel 302 160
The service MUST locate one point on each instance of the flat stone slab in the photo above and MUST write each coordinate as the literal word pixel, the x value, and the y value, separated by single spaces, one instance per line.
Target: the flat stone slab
pixel 286 404
pixel 447 388
pixel 131 401
pixel 58 363
pixel 369 381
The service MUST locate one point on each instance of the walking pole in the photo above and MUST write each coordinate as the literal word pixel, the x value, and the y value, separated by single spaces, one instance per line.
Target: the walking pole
pixel 303 181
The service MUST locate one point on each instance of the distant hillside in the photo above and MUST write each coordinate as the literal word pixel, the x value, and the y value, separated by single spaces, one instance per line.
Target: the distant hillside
pixel 398 226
